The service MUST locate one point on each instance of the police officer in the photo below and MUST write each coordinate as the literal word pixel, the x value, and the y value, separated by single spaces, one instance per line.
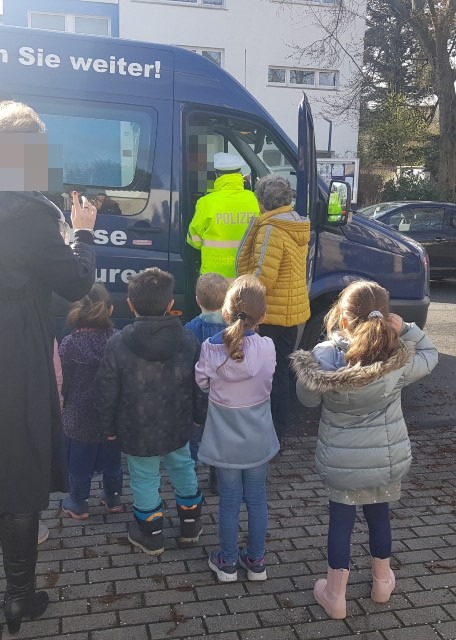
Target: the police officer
pixel 334 205
pixel 222 217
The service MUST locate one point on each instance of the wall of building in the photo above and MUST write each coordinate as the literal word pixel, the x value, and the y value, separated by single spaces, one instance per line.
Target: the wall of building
pixel 253 36
pixel 15 12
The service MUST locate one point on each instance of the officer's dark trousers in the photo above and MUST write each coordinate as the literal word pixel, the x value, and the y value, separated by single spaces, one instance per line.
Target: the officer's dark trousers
pixel 284 339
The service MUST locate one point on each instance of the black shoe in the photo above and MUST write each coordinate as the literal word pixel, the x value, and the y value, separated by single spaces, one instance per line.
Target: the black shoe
pixel 190 524
pixel 151 543
pixel 32 607
pixel 213 481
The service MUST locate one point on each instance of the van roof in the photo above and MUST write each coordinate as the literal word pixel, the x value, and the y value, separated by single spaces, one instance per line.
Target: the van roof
pixel 56 64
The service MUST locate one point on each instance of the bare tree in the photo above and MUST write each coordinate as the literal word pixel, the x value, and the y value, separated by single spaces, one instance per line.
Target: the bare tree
pixel 433 25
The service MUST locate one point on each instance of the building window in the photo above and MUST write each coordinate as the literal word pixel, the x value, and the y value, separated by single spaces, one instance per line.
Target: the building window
pixel 324 3
pixel 215 55
pixel 51 21
pixel 89 25
pixel 315 78
pixel 92 25
pixel 300 76
pixel 217 4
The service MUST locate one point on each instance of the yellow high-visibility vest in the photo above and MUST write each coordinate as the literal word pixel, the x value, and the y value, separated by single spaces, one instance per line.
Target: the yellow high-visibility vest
pixel 220 221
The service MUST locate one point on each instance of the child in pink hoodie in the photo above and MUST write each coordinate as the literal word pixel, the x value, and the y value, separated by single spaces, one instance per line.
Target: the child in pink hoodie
pixel 236 367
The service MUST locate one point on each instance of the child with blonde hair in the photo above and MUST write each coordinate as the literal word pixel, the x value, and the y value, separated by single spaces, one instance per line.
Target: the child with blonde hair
pixel 211 290
pixel 236 367
pixel 363 449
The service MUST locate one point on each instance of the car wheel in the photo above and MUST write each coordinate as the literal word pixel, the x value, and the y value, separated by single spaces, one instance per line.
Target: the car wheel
pixel 314 331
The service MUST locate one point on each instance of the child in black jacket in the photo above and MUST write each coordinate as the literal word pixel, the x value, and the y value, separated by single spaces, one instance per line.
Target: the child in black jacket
pixel 148 399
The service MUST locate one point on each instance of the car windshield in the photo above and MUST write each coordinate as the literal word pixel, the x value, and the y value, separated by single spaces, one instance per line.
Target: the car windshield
pixel 377 210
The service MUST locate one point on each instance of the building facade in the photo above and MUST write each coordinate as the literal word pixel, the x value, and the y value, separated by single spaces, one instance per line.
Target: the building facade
pixel 259 43
pixel 94 17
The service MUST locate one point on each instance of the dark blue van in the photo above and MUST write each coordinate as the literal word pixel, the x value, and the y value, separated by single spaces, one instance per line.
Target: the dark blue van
pixel 138 124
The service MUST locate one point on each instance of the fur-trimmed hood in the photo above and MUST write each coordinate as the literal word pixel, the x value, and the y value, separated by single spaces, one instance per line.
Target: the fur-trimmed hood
pixel 309 372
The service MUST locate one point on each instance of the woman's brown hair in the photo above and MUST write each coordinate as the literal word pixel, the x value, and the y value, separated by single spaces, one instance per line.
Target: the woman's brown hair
pixel 244 307
pixel 372 339
pixel 93 311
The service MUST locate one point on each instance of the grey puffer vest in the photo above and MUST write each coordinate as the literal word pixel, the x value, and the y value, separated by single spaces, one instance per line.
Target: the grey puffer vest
pixel 363 442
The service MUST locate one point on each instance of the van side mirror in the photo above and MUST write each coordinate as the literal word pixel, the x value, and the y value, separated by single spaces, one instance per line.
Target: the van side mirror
pixel 339 203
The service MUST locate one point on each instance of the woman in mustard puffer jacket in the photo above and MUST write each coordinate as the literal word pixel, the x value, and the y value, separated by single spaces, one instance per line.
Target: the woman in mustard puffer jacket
pixel 274 249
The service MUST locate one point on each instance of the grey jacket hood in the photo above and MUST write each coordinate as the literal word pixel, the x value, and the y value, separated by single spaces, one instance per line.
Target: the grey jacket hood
pixel 335 375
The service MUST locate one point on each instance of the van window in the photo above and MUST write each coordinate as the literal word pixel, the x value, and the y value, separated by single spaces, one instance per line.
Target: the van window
pixel 209 133
pixel 104 152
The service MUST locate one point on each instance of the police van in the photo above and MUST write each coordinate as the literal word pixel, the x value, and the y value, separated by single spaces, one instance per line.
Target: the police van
pixel 137 125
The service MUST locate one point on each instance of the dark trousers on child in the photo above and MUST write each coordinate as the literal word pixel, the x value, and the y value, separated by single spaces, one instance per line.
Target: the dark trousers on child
pixel 284 339
pixel 341 523
pixel 86 458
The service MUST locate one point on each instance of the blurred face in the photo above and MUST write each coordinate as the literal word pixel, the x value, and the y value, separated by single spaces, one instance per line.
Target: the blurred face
pixel 98 201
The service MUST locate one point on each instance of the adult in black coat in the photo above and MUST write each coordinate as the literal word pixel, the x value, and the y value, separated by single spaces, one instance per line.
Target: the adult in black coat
pixel 34 262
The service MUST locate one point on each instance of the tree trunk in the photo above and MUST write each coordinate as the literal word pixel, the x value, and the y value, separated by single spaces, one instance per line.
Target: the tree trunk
pixel 445 90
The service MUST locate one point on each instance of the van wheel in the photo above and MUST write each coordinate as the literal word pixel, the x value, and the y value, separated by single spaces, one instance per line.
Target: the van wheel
pixel 314 331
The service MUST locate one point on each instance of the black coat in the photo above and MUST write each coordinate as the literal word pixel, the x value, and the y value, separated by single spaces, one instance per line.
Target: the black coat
pixel 146 390
pixel 34 262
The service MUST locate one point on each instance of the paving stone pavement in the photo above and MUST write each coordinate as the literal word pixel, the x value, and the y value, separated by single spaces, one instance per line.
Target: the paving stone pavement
pixel 103 589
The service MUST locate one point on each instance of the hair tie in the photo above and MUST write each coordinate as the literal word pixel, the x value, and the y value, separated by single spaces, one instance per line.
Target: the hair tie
pixel 242 316
pixel 375 314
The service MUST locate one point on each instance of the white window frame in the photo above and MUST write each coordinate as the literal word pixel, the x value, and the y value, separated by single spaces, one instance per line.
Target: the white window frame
pixel 70 20
pixel 316 86
pixel 199 4
pixel 313 3
pixel 45 13
pixel 199 51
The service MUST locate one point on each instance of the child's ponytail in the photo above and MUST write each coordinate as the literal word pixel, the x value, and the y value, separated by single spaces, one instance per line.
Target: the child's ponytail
pixel 244 308
pixel 373 340
pixel 233 337
pixel 361 314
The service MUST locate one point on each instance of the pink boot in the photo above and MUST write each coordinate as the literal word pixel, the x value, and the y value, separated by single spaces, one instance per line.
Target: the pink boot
pixel 383 580
pixel 330 593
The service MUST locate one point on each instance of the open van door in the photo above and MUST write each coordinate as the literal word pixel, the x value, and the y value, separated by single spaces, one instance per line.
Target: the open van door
pixel 306 184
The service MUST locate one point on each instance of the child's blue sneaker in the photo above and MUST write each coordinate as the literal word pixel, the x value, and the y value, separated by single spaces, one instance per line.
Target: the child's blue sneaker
pixel 255 568
pixel 77 510
pixel 112 502
pixel 226 572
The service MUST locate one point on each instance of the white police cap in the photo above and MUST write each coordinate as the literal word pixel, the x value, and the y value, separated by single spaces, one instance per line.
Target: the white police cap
pixel 227 162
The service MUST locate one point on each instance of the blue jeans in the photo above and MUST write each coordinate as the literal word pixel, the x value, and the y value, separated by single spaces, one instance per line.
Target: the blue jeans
pixel 249 485
pixel 145 477
pixel 85 458
pixel 341 523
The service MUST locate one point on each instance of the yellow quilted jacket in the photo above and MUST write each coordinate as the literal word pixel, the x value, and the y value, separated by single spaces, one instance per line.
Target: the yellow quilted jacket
pixel 274 249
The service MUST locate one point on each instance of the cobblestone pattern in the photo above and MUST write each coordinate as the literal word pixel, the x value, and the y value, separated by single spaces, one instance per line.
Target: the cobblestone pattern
pixel 103 589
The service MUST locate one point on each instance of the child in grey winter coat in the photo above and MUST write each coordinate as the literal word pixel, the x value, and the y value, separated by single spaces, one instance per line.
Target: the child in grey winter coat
pixel 363 449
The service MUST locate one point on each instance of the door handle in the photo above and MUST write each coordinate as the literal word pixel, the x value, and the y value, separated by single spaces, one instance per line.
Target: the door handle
pixel 144 228
pixel 439 239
